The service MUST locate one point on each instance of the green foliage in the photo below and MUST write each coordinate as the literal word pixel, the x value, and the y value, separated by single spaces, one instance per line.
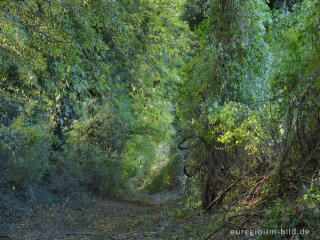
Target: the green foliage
pixel 305 214
pixel 167 177
pixel 194 12
pixel 86 93
pixel 93 95
pixel 238 126
pixel 248 103
pixel 278 4
pixel 99 126
pixel 25 154
pixel 222 81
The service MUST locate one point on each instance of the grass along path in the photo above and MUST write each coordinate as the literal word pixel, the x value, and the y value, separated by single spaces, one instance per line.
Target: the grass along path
pixel 160 216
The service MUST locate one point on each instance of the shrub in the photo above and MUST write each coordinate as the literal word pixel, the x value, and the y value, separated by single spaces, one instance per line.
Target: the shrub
pixel 25 154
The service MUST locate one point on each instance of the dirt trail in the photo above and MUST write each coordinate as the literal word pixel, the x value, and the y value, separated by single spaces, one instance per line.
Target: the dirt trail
pixel 148 217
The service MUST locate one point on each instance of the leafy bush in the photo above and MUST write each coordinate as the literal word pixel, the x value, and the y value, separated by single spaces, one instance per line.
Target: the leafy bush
pixel 25 154
pixel 91 154
pixel 167 177
pixel 304 214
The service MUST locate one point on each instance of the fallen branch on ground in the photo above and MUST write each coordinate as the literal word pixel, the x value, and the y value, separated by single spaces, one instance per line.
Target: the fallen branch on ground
pixel 88 234
pixel 227 221
pixel 3 236
pixel 216 231
pixel 218 198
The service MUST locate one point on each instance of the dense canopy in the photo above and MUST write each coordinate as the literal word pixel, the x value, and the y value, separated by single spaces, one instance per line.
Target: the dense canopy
pixel 217 100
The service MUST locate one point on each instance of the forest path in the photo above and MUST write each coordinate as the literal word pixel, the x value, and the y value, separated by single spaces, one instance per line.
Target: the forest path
pixel 146 217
